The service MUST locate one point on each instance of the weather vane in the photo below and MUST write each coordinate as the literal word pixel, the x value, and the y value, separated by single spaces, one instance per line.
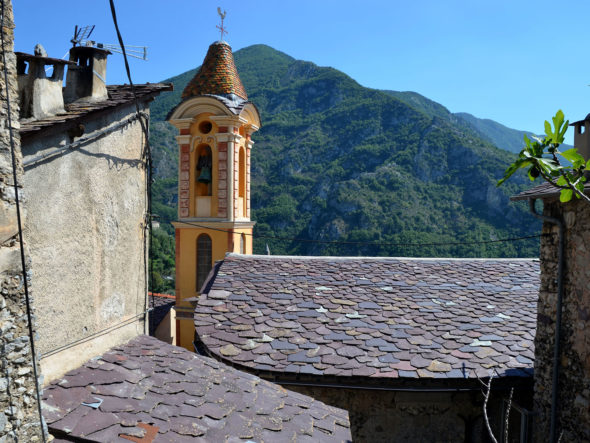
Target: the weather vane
pixel 221 28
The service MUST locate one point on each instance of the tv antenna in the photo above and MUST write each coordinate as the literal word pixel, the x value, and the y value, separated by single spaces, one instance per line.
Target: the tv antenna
pixel 82 33
pixel 221 28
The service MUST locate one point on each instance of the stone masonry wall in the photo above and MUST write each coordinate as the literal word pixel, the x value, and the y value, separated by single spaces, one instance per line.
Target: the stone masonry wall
pixel 573 417
pixel 385 416
pixel 19 420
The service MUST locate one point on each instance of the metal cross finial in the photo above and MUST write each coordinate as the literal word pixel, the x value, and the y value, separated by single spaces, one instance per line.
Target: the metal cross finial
pixel 221 28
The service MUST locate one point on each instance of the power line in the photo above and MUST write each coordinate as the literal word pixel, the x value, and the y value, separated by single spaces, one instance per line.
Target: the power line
pixel 147 154
pixel 341 242
pixel 20 229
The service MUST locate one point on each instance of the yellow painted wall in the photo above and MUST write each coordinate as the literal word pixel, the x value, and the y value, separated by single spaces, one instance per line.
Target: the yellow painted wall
pixel 186 265
pixel 186 334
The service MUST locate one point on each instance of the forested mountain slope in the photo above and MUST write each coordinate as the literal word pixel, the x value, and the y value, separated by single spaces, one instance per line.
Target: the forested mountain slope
pixel 335 161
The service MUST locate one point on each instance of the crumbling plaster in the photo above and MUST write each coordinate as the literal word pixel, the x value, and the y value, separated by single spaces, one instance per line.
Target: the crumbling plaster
pixel 86 232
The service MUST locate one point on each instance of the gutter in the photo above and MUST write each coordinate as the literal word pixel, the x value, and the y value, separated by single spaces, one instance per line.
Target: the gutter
pixel 556 349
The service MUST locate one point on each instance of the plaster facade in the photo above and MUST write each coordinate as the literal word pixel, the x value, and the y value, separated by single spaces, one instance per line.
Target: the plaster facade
pixel 573 402
pixel 87 233
pixel 19 419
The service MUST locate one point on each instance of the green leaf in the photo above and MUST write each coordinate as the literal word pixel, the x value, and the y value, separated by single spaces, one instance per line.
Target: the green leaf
pixel 519 163
pixel 588 165
pixel 548 130
pixel 572 155
pixel 566 195
pixel 561 181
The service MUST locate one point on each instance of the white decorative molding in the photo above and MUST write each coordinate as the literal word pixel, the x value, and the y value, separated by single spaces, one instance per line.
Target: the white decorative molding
pixel 199 105
pixel 183 139
pixel 182 123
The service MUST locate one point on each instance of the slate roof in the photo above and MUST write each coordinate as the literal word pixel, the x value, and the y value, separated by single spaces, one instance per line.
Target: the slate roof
pixel 147 388
pixel 161 305
pixel 374 318
pixel 544 191
pixel 217 76
pixel 117 95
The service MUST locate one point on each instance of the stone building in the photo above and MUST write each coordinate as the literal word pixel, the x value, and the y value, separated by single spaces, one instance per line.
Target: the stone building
pixel 85 188
pixel 215 122
pixel 562 409
pixel 19 417
pixel 400 343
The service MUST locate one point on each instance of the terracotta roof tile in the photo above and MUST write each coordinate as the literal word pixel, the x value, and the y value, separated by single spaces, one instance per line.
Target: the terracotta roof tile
pixel 147 385
pixel 373 317
pixel 217 76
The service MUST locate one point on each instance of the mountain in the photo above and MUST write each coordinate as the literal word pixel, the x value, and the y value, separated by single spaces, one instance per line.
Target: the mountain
pixel 335 161
pixel 496 133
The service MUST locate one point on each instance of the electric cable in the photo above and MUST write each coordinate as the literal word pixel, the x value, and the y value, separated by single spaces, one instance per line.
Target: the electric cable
pixel 341 242
pixel 147 155
pixel 20 229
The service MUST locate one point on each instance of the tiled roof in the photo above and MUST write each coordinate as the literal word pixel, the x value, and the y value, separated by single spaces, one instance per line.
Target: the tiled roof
pixel 394 318
pixel 544 190
pixel 117 95
pixel 147 387
pixel 217 76
pixel 161 305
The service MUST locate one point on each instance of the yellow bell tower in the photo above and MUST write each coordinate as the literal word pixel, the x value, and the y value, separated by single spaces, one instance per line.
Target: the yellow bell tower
pixel 215 122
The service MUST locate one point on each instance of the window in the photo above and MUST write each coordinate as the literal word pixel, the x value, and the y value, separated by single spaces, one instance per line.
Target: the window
pixel 242 244
pixel 204 259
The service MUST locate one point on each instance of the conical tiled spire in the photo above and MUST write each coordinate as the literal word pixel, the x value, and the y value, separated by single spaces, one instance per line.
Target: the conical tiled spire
pixel 218 74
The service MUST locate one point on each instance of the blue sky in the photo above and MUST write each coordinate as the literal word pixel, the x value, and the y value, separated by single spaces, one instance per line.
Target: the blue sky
pixel 515 62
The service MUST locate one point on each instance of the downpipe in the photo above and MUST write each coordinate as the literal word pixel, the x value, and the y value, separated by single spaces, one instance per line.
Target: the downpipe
pixel 556 350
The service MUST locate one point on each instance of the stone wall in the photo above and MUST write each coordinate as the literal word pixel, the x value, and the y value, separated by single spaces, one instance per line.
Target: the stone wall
pixel 86 231
pixel 385 416
pixel 19 420
pixel 574 365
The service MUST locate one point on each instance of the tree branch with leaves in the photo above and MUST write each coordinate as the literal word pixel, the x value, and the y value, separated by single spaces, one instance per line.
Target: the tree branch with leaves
pixel 543 158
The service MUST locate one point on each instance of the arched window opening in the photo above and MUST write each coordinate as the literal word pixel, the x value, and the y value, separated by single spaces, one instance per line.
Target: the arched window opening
pixel 242 244
pixel 242 183
pixel 203 171
pixel 204 259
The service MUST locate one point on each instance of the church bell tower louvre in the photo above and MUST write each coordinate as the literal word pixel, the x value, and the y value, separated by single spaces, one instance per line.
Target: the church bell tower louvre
pixel 215 121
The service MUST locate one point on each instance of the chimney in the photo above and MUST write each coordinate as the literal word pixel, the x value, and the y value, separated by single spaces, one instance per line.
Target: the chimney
pixel 582 137
pixel 86 79
pixel 40 96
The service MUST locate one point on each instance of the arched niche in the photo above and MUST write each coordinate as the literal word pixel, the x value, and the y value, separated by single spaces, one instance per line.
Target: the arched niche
pixel 203 176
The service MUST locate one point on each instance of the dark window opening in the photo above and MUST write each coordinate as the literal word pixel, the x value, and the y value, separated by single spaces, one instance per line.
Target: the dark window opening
pixel 205 127
pixel 204 259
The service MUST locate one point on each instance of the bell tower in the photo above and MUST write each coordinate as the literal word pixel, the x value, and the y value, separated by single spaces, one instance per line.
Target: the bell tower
pixel 215 121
